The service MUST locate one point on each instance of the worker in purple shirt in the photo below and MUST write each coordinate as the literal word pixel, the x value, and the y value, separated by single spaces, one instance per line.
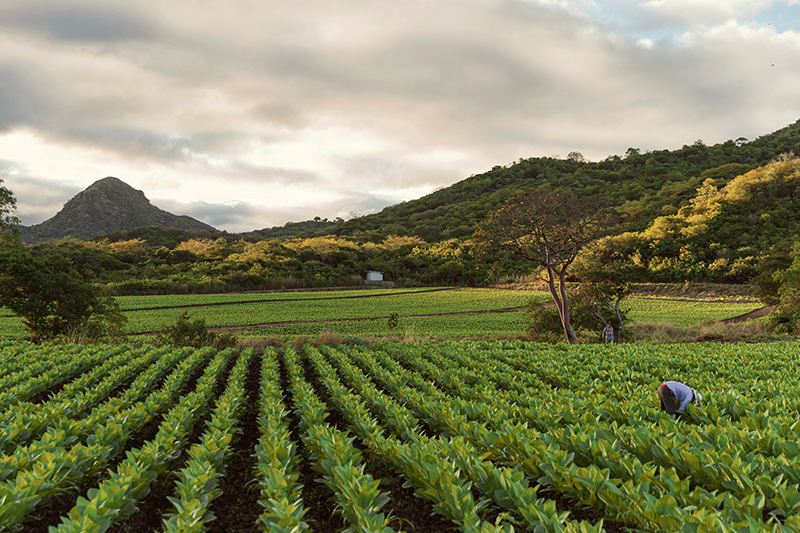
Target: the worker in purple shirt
pixel 675 396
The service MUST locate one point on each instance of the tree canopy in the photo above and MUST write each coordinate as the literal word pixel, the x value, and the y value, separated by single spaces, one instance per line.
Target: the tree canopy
pixel 51 298
pixel 549 229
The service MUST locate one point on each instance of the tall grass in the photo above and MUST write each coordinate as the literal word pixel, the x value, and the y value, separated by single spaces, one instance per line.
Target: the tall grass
pixel 656 333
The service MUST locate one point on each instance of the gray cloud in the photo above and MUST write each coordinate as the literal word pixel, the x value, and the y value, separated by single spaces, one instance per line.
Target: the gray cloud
pixel 245 216
pixel 23 98
pixel 81 22
pixel 37 198
pixel 390 172
pixel 281 112
pixel 285 176
pixel 476 77
pixel 133 141
pixel 9 168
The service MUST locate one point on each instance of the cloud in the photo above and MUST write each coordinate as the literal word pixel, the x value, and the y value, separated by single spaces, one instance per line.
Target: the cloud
pixel 239 217
pixel 392 172
pixel 258 111
pixel 80 21
pixel 133 141
pixel 38 199
pixel 23 99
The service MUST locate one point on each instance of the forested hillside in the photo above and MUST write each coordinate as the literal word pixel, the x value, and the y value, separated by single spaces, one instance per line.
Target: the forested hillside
pixel 638 186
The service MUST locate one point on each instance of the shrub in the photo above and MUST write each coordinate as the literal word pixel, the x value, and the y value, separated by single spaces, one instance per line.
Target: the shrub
pixel 544 323
pixel 194 333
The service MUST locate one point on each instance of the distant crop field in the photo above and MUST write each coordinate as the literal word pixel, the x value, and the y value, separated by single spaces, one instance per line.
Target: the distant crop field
pixel 682 313
pixel 422 312
pixel 333 311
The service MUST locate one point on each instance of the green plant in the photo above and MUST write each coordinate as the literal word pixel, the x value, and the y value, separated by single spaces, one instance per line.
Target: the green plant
pixel 544 323
pixel 186 332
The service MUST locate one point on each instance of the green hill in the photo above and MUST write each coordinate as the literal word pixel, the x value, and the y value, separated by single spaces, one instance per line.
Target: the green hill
pixel 639 186
pixel 106 206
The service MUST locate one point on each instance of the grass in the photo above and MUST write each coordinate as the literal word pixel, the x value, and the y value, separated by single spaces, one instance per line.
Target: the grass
pixel 749 331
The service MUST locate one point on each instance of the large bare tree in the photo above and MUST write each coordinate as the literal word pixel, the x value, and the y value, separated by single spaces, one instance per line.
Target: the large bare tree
pixel 549 229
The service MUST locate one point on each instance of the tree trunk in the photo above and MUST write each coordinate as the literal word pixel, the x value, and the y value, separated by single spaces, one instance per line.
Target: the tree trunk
pixel 559 295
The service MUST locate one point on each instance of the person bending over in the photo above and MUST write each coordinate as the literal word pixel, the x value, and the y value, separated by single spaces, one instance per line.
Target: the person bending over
pixel 675 396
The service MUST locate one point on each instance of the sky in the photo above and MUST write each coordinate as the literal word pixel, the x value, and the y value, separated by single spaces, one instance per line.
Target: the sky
pixel 248 114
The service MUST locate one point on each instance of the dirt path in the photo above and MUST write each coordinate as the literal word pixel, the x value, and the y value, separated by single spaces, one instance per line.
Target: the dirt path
pixel 757 313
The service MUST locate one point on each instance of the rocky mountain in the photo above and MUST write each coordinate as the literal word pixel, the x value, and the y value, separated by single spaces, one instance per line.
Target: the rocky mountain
pixel 106 206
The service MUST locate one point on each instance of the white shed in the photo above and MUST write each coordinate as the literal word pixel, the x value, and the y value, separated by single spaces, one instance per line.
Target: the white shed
pixel 373 276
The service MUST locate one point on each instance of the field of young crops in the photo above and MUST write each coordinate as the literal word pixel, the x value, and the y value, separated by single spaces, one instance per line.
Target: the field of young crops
pixel 417 437
pixel 448 313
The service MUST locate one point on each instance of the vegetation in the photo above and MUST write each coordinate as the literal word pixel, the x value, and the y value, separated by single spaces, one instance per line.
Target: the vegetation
pixel 786 318
pixel 720 236
pixel 549 230
pixel 8 217
pixel 726 213
pixel 361 316
pixel 52 300
pixel 639 186
pixel 195 334
pixel 515 435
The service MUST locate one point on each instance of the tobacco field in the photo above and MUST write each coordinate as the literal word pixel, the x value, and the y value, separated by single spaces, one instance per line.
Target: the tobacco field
pixel 423 312
pixel 454 436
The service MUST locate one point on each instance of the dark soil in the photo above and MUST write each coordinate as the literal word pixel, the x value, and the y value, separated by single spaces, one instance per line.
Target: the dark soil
pixel 758 313
pixel 413 514
pixel 578 512
pixel 237 508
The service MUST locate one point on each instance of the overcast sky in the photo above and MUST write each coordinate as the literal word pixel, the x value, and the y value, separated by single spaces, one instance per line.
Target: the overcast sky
pixel 247 114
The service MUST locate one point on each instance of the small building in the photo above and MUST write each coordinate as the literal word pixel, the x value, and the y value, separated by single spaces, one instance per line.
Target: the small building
pixel 373 276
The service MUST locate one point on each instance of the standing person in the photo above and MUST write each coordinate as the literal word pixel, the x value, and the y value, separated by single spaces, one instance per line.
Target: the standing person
pixel 608 334
pixel 675 396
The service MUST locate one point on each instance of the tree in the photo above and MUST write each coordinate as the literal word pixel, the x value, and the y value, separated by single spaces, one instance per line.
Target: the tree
pixel 604 273
pixel 766 287
pixel 576 156
pixel 786 318
pixel 549 229
pixel 45 290
pixel 186 332
pixel 51 298
pixel 8 220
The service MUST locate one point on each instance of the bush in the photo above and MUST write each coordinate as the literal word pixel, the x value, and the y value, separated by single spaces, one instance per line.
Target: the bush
pixel 186 332
pixel 544 323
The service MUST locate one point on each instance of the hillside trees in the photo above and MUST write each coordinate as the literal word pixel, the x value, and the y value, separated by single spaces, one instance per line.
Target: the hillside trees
pixel 8 218
pixel 786 318
pixel 548 229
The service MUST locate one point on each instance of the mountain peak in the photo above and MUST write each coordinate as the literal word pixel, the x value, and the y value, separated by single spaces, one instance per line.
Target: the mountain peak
pixel 106 206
